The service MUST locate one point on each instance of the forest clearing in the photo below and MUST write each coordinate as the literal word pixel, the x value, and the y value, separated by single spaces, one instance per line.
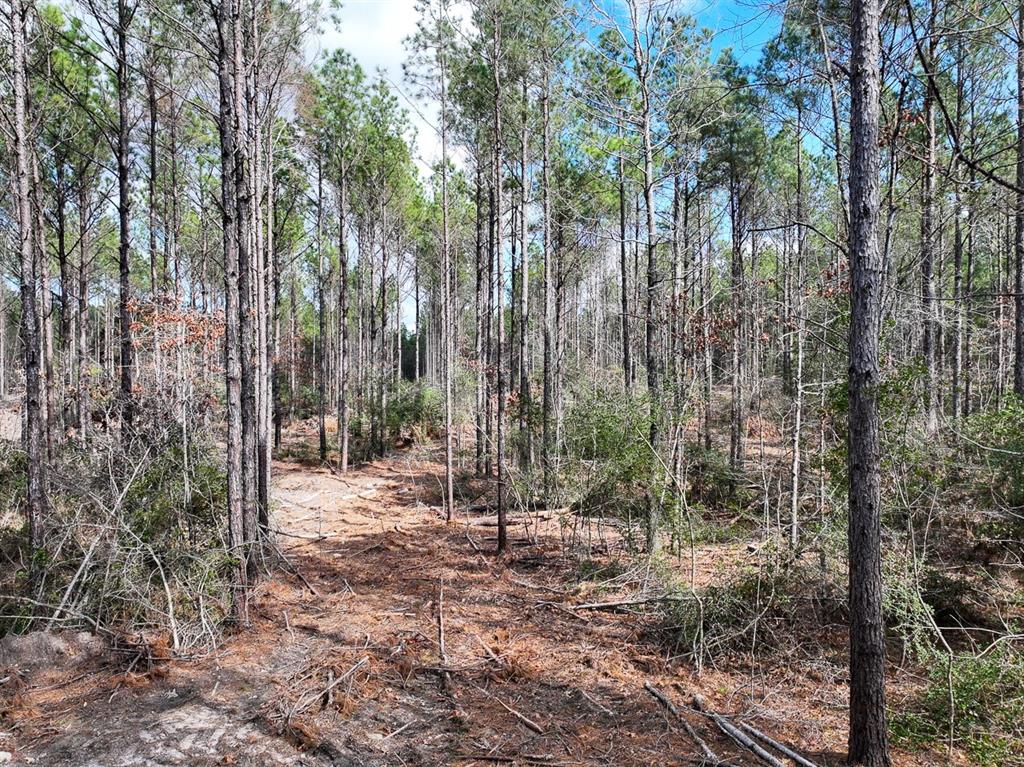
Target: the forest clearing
pixel 544 660
pixel 526 382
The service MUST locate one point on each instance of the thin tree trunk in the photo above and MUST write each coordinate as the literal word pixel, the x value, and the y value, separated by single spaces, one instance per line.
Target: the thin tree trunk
pixel 500 292
pixel 343 352
pixel 930 341
pixel 524 294
pixel 1018 289
pixel 548 446
pixel 798 308
pixel 232 340
pixel 35 491
pixel 447 334
pixel 126 360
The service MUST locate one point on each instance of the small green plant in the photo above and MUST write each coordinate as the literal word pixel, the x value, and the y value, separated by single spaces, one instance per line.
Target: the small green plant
pixel 995 445
pixel 977 701
pixel 418 410
pixel 756 607
pixel 608 458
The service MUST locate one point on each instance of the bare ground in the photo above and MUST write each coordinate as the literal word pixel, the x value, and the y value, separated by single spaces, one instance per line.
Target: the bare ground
pixel 343 664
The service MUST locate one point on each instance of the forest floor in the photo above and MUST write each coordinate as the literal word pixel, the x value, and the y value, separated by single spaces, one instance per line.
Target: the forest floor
pixel 343 665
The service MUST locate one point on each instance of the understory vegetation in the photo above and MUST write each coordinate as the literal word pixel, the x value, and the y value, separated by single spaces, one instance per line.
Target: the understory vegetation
pixel 745 322
pixel 951 572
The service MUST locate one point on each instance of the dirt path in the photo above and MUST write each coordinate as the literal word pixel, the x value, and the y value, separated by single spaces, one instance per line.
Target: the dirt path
pixel 354 674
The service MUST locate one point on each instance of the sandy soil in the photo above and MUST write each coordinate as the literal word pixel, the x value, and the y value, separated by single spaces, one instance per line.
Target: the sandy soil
pixel 347 668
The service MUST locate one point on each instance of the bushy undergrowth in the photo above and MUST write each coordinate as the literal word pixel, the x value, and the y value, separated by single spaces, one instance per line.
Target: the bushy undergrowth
pixel 134 541
pixel 758 609
pixel 417 411
pixel 975 701
pixel 609 467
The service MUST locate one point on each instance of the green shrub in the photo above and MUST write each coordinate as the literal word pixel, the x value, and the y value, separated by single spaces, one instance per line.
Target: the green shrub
pixel 416 409
pixel 134 536
pixel 761 607
pixel 607 455
pixel 981 696
pixel 995 447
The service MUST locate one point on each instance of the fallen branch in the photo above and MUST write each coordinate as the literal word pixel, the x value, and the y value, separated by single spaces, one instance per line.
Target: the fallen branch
pixel 627 603
pixel 525 758
pixel 563 608
pixel 404 727
pixel 735 733
pixel 490 653
pixel 709 755
pixel 529 723
pixel 307 700
pixel 522 718
pixel 440 636
pixel 780 747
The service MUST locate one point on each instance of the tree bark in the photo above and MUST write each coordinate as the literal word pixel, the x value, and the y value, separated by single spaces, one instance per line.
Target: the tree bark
pixel 126 360
pixel 226 126
pixel 868 736
pixel 1018 242
pixel 35 491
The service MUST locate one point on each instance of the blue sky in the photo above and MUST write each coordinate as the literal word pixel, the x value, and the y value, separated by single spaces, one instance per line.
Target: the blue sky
pixel 744 25
pixel 374 30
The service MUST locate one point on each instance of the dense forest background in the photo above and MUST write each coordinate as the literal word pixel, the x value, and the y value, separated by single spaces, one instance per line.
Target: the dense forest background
pixel 622 293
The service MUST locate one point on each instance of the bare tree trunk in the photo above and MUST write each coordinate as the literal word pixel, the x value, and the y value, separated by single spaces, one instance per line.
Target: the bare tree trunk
pixel 958 247
pixel 1018 242
pixel 969 284
pixel 481 362
pixel 868 738
pixel 35 491
pixel 126 361
pixel 705 325
pixel 738 353
pixel 321 297
pixel 343 352
pixel 500 292
pixel 627 364
pixel 154 280
pixel 232 337
pixel 930 340
pixel 525 430
pixel 548 446
pixel 798 308
pixel 447 330
pixel 45 310
pixel 246 289
pixel 81 361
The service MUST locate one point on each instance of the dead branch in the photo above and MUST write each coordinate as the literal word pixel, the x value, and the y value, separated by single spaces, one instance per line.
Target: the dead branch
pixel 780 747
pixel 709 755
pixel 734 732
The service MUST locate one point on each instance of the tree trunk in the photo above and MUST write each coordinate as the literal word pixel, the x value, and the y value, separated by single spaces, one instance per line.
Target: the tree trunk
pixel 126 360
pixel 447 339
pixel 525 431
pixel 232 338
pixel 1018 288
pixel 500 292
pixel 548 446
pixel 868 737
pixel 627 365
pixel 343 351
pixel 35 491
pixel 930 341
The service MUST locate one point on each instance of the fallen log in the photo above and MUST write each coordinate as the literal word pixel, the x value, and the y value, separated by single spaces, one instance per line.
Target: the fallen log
pixel 782 748
pixel 709 755
pixel 735 733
